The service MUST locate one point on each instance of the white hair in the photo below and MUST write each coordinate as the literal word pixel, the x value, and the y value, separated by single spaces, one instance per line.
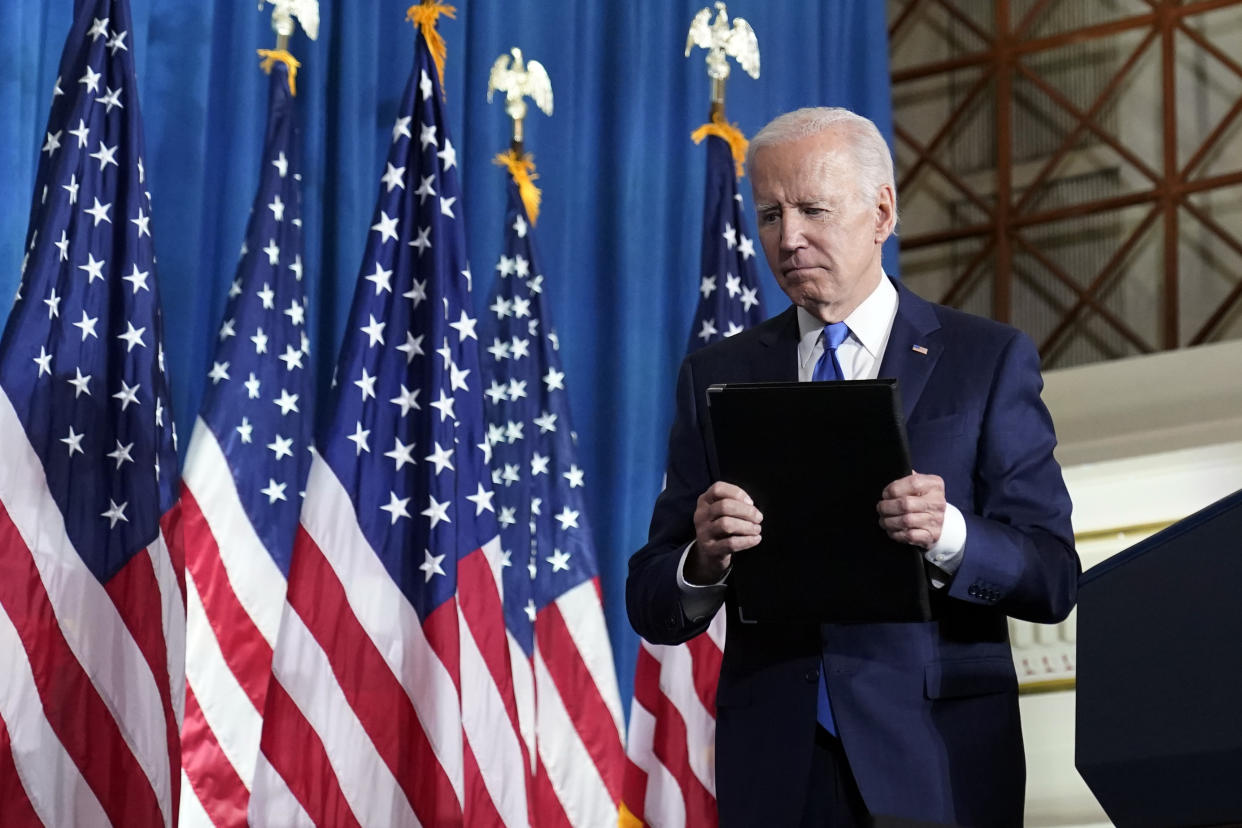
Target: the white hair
pixel 869 151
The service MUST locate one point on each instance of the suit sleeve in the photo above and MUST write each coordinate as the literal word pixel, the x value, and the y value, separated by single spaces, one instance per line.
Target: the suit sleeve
pixel 1019 554
pixel 652 596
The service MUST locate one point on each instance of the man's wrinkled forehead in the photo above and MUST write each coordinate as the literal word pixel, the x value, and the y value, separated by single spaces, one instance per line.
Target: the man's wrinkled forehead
pixel 832 167
pixel 815 166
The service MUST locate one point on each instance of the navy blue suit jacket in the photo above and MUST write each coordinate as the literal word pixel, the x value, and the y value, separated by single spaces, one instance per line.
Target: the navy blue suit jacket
pixel 927 712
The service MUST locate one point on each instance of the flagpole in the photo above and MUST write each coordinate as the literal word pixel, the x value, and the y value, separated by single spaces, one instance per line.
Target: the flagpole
pixel 716 111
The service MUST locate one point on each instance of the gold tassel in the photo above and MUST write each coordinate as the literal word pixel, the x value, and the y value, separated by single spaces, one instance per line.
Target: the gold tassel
pixel 732 136
pixel 424 16
pixel 522 168
pixel 271 56
pixel 627 819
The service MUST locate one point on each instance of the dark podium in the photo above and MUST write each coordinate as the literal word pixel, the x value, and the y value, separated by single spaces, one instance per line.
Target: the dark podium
pixel 1159 719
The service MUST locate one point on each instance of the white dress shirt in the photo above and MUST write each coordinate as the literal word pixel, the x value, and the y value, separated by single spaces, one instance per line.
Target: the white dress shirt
pixel 859 357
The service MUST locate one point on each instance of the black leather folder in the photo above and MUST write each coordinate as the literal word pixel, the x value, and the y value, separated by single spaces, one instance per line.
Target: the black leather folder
pixel 815 457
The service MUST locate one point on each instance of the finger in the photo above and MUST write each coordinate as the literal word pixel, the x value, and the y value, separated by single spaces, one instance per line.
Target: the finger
pixel 914 484
pixel 903 487
pixel 911 504
pixel 912 521
pixel 725 526
pixel 708 509
pixel 734 508
pixel 720 490
pixel 926 485
pixel 893 506
pixel 920 530
pixel 720 547
pixel 713 530
pixel 916 537
pixel 902 522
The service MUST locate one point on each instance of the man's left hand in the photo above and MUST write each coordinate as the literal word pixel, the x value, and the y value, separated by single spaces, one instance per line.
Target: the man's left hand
pixel 912 509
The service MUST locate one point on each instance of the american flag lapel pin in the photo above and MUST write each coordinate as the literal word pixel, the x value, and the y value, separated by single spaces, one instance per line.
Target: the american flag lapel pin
pixel 919 349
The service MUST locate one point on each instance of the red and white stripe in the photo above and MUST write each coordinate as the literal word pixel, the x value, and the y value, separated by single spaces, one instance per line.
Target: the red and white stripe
pixel 235 594
pixel 571 713
pixel 670 780
pixel 376 719
pixel 92 692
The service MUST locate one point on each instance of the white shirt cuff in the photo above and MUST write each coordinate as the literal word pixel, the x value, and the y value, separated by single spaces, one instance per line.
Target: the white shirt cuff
pixel 698 602
pixel 946 553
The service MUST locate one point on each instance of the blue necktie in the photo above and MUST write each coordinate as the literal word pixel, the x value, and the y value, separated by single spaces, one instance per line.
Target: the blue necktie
pixel 828 369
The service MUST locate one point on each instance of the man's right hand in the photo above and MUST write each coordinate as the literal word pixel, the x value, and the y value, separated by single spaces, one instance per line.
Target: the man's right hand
pixel 725 521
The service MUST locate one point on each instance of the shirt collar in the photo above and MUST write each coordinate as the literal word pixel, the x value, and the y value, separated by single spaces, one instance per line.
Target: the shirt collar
pixel 870 322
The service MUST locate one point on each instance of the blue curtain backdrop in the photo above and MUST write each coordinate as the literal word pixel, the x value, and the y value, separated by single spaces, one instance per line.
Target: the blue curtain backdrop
pixel 622 181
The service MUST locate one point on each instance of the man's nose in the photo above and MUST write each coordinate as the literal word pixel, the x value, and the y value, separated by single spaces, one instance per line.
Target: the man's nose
pixel 792 237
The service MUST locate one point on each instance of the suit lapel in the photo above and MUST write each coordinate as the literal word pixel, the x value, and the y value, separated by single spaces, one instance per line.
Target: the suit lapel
pixel 913 348
pixel 776 359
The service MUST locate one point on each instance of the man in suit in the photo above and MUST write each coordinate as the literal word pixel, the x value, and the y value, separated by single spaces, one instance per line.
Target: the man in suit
pixel 835 724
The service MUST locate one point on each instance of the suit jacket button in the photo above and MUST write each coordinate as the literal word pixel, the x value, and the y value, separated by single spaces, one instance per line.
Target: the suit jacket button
pixel 973 591
pixel 811 675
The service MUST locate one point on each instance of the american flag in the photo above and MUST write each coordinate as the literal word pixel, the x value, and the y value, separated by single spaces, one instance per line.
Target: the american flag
pixel 392 699
pixel 670 776
pixel 568 701
pixel 246 466
pixel 92 630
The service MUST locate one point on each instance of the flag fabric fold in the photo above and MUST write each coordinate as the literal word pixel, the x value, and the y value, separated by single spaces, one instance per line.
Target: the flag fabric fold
pixel 245 469
pixel 670 773
pixel 391 701
pixel 92 596
pixel 568 701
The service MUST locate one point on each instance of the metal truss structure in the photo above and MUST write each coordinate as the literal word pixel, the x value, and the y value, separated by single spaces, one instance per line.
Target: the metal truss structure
pixel 1075 167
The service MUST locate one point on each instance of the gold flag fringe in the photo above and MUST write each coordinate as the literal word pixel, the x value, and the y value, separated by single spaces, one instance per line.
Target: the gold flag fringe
pixel 627 819
pixel 270 58
pixel 522 168
pixel 731 135
pixel 424 15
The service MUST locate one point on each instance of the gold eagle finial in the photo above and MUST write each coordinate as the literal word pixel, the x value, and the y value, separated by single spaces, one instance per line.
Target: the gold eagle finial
pixel 305 12
pixel 517 79
pixel 723 41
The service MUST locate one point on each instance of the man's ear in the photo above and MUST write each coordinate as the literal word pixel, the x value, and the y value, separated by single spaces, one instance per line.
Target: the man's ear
pixel 885 213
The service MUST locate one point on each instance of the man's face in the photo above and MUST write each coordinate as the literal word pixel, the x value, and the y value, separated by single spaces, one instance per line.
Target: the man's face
pixel 822 240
